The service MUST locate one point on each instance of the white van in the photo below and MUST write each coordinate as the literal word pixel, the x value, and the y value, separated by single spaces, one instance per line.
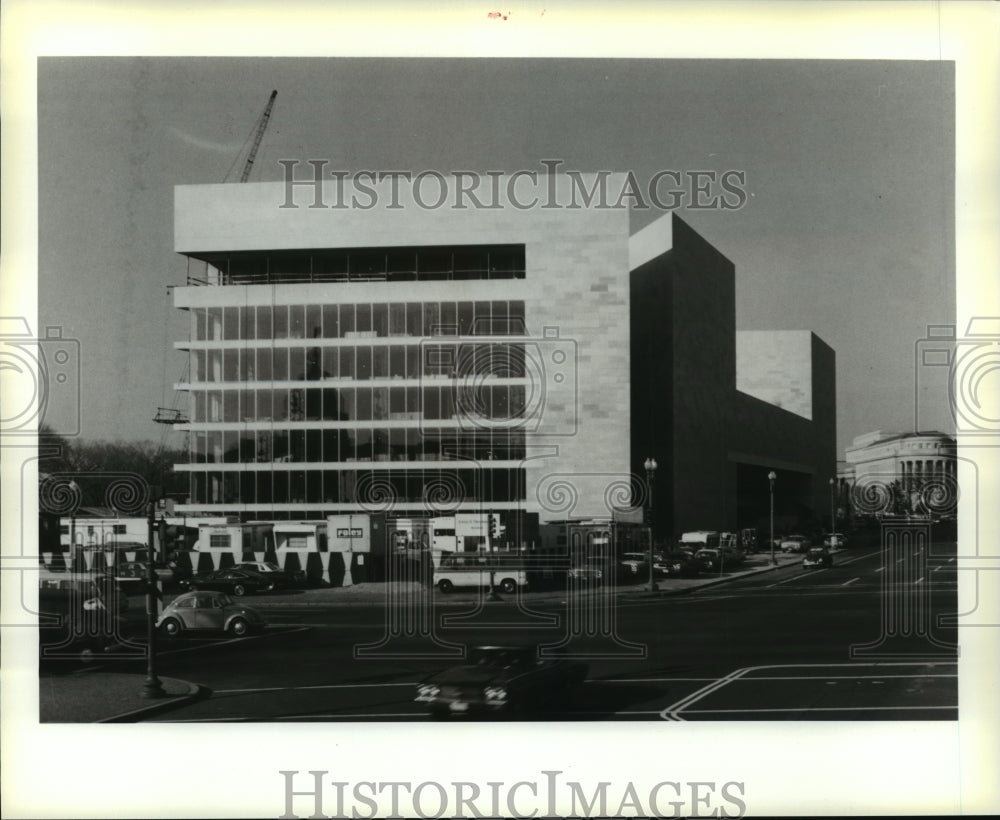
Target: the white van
pixel 474 570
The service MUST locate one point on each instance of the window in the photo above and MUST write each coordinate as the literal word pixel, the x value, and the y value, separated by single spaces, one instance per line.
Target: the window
pixel 397 320
pixel 280 315
pixel 219 541
pixel 331 328
pixel 248 328
pixel 380 320
pixel 264 325
pixel 264 364
pixel 231 323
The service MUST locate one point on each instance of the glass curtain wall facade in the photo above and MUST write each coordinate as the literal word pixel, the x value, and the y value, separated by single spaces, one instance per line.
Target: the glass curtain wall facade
pixel 303 408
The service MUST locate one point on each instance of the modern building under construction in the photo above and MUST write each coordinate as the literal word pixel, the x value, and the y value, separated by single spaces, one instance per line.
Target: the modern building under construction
pixel 521 361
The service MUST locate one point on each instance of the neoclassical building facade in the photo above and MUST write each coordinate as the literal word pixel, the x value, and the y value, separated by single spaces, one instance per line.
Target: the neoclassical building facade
pixel 911 461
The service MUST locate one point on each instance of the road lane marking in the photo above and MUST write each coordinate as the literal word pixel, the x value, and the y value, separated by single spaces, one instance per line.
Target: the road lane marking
pixel 880 569
pixel 850 582
pixel 360 716
pixel 816 709
pixel 793 578
pixel 318 686
pixel 856 558
pixel 210 643
pixel 673 712
pixel 873 678
pixel 649 680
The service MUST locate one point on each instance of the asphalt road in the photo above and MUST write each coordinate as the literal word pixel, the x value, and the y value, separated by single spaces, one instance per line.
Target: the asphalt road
pixel 861 640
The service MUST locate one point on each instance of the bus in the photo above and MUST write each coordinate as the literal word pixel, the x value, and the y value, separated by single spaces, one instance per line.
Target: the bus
pixel 507 574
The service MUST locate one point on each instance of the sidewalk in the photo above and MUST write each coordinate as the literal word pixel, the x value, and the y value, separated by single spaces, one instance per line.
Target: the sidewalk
pixel 100 696
pixel 376 593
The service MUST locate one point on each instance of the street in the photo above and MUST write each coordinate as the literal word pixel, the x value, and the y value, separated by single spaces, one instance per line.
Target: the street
pixel 787 644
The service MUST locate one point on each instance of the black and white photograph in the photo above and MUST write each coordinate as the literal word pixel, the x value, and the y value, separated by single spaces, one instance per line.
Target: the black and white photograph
pixel 476 426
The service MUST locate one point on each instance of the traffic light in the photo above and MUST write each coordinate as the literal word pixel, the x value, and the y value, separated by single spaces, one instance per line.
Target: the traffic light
pixel 494 525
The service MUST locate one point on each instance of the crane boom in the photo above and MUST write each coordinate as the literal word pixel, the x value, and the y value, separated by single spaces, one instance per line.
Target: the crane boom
pixel 261 126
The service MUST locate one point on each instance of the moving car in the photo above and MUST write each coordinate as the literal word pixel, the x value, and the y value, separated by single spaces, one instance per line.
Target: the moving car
pixel 208 610
pixel 817 557
pixel 499 680
pixel 234 581
pixel 795 543
pixel 281 578
pixel 835 539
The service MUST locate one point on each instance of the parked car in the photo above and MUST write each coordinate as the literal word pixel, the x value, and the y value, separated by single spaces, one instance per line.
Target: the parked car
pixel 817 557
pixel 206 609
pixel 633 566
pixel 234 581
pixel 719 560
pixel 114 594
pixel 499 680
pixel 795 543
pixel 675 564
pixel 709 560
pixel 589 571
pixel 835 539
pixel 136 570
pixel 281 578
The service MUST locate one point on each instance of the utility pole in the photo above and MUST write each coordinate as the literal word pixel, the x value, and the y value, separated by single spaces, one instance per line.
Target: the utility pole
pixel 151 687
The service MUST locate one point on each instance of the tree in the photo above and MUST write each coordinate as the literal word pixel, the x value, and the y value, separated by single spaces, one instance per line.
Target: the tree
pixel 95 466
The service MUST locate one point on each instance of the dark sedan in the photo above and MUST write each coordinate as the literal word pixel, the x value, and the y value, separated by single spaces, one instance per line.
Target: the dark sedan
pixel 718 560
pixel 234 581
pixel 499 681
pixel 817 557
pixel 676 564
pixel 281 578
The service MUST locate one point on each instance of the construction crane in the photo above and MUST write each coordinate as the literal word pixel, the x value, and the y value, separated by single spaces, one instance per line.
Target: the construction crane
pixel 257 137
pixel 169 415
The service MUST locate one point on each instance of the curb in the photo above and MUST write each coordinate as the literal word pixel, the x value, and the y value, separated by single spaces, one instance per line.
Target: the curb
pixel 195 692
pixel 717 581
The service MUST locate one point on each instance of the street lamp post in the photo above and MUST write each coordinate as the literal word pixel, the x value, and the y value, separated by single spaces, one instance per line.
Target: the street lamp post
pixel 151 687
pixel 833 515
pixel 770 477
pixel 650 465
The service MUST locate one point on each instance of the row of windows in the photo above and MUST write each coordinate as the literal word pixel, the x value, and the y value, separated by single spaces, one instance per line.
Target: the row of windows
pixel 360 362
pixel 498 318
pixel 467 403
pixel 440 489
pixel 369 444
pixel 373 264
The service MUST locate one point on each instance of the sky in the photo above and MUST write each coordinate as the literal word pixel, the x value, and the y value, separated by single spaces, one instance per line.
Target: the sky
pixel 848 228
